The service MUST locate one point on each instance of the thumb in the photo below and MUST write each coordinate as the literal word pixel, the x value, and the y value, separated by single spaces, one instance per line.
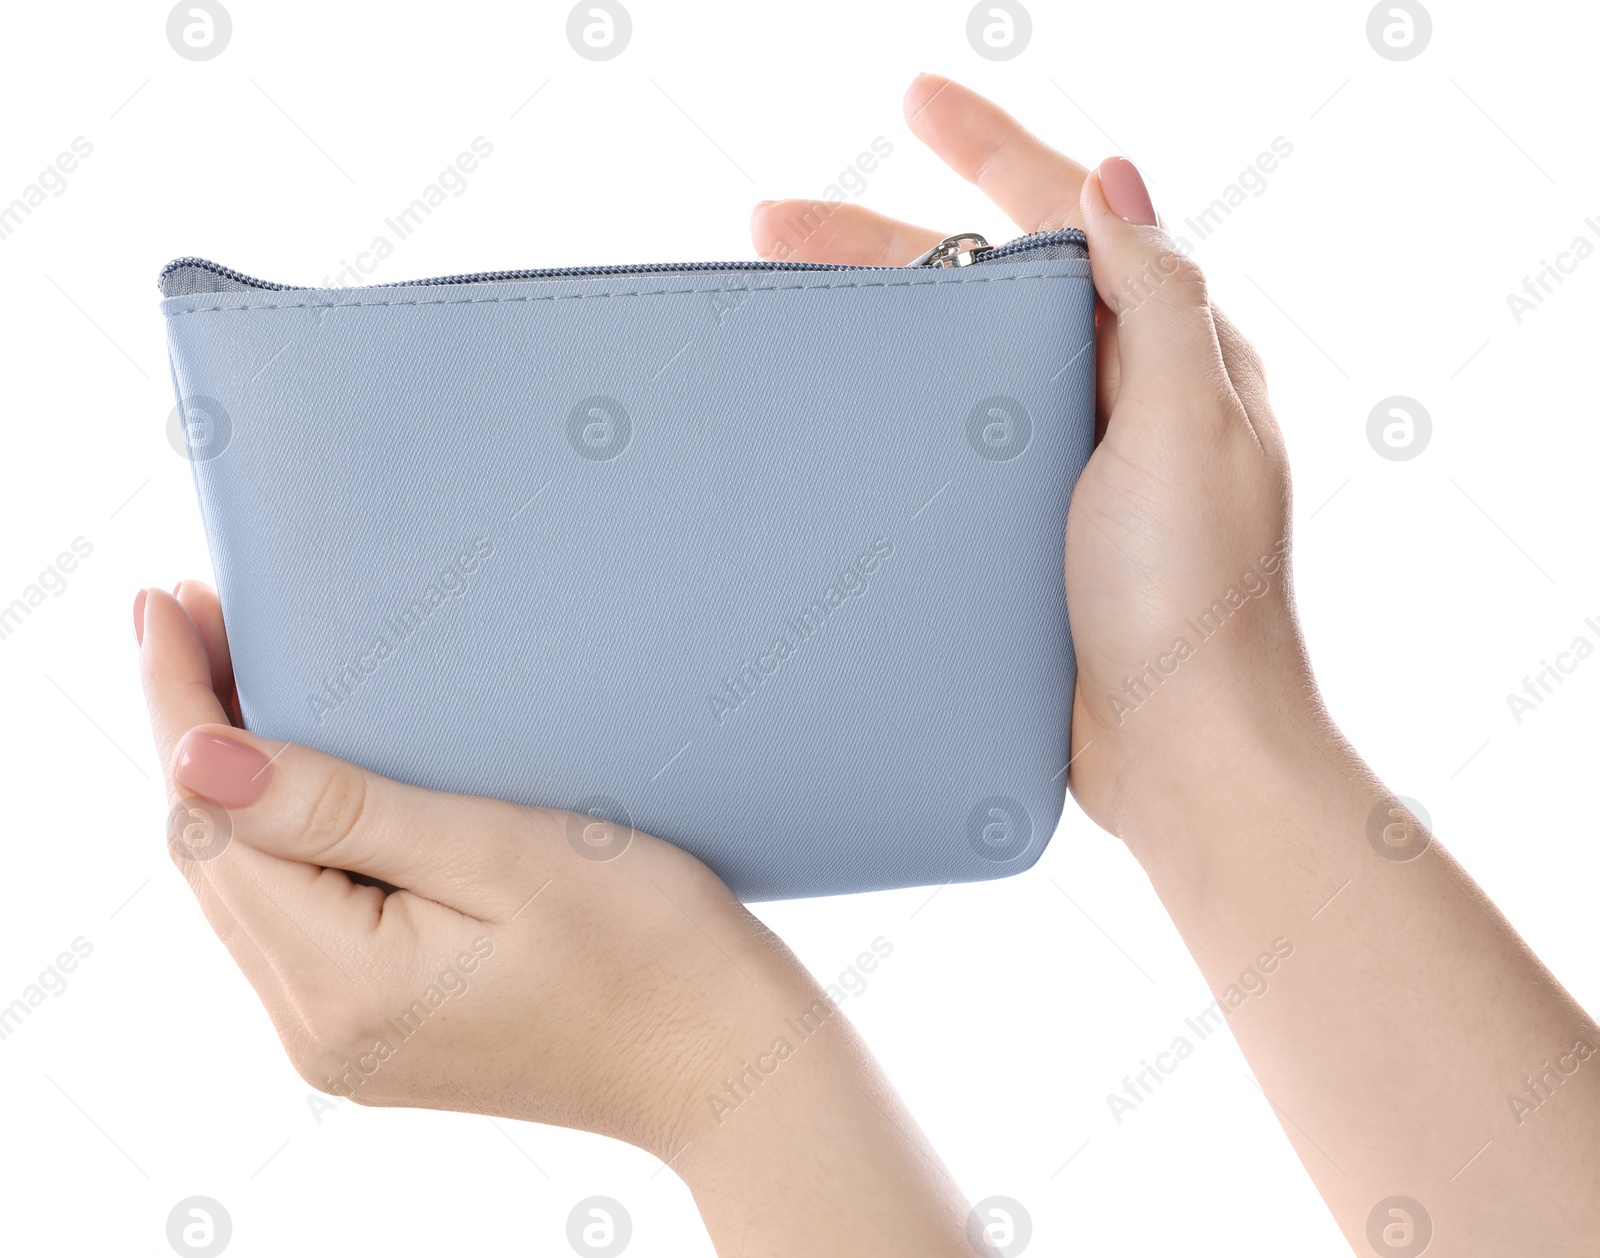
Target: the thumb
pixel 1164 330
pixel 308 808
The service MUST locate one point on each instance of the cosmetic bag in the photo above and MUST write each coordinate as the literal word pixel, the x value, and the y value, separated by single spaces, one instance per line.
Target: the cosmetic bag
pixel 761 558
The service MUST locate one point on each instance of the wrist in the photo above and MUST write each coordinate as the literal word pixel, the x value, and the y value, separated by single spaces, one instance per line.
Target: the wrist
pixel 788 1135
pixel 776 1057
pixel 797 1145
pixel 1217 780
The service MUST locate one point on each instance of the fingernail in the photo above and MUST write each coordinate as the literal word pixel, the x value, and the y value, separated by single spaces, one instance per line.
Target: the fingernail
pixel 221 769
pixel 176 588
pixel 1125 192
pixel 138 616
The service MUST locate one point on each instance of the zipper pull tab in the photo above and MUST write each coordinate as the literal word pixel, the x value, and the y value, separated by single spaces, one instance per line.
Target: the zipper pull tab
pixel 962 250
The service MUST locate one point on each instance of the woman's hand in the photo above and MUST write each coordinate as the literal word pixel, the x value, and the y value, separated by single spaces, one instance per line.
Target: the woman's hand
pixel 1407 1029
pixel 534 964
pixel 1177 540
pixel 509 975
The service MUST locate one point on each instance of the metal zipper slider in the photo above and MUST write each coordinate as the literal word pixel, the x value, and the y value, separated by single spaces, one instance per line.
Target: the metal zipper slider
pixel 962 250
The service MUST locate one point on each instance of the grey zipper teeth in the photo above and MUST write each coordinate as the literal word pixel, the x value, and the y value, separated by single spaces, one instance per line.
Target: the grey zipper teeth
pixel 226 272
pixel 1036 240
pixel 1023 244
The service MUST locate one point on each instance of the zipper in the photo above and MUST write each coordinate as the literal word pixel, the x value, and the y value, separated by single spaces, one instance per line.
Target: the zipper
pixel 967 249
pixel 962 250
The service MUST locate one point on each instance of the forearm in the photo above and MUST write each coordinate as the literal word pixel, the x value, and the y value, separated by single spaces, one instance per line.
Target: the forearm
pixel 1409 1042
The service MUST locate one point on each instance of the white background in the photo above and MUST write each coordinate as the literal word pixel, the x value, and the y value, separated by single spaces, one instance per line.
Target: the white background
pixel 1376 262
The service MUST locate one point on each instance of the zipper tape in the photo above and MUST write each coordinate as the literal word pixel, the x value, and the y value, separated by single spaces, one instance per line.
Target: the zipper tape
pixel 192 276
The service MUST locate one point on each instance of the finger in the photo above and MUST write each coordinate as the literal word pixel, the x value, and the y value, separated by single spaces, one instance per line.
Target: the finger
pixel 300 917
pixel 184 705
pixel 1036 186
pixel 205 609
pixel 1165 336
pixel 319 813
pixel 176 669
pixel 849 235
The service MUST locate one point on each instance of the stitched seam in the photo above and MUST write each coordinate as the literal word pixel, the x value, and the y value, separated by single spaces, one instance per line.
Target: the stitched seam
pixel 660 292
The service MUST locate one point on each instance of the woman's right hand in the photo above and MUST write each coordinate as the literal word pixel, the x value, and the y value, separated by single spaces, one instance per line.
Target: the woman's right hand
pixel 1410 1009
pixel 1185 502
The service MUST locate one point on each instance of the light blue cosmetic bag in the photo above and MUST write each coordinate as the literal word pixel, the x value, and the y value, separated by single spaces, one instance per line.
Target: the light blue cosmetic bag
pixel 764 559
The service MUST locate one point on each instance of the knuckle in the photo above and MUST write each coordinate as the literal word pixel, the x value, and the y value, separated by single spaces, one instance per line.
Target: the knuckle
pixel 337 1049
pixel 1253 360
pixel 317 1069
pixel 1240 354
pixel 313 1061
pixel 888 247
pixel 335 1026
pixel 180 861
pixel 1185 280
pixel 337 809
pixel 1166 279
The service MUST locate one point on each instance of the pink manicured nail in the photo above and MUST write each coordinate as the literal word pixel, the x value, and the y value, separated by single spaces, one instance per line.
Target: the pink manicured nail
pixel 221 769
pixel 1125 192
pixel 138 616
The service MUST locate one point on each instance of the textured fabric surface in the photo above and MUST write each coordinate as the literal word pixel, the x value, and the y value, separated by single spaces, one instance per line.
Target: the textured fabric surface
pixel 766 564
